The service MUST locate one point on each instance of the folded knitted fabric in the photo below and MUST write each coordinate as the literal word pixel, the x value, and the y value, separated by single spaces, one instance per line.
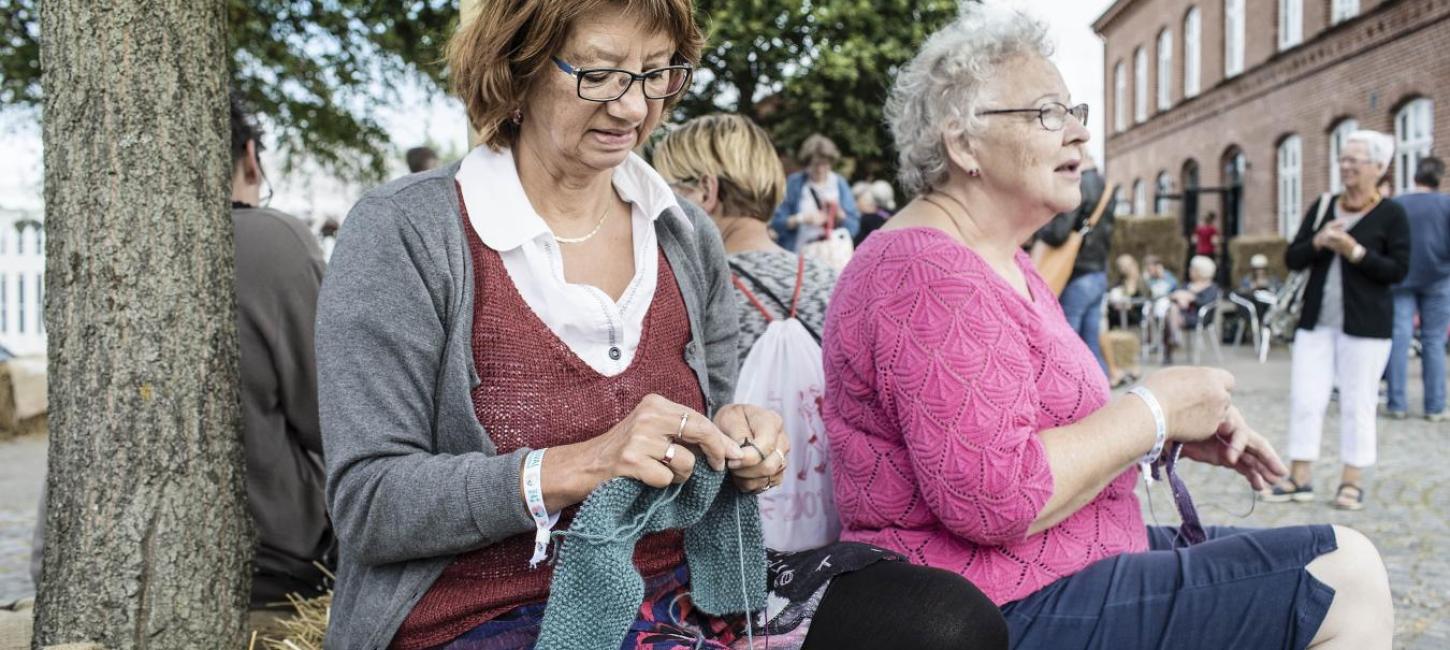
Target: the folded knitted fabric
pixel 596 590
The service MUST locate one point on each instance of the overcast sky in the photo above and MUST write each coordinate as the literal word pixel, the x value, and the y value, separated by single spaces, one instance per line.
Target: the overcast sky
pixel 1079 54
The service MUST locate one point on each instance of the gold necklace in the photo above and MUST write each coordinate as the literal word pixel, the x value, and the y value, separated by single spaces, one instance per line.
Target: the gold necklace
pixel 1374 199
pixel 579 240
pixel 948 213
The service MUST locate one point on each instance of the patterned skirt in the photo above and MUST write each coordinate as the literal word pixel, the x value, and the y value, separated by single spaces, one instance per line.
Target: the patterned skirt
pixel 668 618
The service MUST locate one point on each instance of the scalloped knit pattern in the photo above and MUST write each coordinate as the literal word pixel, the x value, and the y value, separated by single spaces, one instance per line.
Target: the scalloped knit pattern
pixel 939 377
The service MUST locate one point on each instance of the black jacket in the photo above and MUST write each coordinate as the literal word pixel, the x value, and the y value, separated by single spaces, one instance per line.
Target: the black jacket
pixel 1368 308
pixel 1093 256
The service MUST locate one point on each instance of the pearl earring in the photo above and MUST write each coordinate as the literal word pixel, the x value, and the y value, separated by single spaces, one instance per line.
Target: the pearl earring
pixel 517 118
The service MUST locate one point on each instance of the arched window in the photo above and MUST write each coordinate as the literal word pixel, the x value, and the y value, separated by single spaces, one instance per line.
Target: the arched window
pixel 1344 10
pixel 1121 208
pixel 1414 137
pixel 1192 55
pixel 1291 23
pixel 1140 85
pixel 1164 187
pixel 1233 37
pixel 1291 185
pixel 1336 144
pixel 1165 69
pixel 1120 97
pixel 1140 197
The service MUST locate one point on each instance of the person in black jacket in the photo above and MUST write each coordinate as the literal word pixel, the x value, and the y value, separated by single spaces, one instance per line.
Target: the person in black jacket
pixel 1082 299
pixel 1361 249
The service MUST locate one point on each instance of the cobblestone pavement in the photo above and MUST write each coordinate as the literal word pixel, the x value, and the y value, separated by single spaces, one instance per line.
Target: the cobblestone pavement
pixel 1407 507
pixel 22 472
pixel 1407 513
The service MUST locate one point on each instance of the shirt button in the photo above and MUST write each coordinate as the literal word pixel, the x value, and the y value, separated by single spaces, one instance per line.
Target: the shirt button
pixel 615 354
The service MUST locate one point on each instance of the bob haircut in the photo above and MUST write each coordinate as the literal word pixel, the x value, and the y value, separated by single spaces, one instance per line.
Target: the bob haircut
pixel 736 152
pixel 494 60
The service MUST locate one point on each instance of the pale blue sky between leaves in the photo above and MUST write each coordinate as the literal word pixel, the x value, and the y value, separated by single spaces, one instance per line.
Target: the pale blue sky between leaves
pixel 421 118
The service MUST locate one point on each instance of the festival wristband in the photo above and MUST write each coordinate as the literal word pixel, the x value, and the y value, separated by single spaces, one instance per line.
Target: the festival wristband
pixel 534 500
pixel 1160 425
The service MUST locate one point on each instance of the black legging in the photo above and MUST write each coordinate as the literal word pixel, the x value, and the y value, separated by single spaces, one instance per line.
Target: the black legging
pixel 900 605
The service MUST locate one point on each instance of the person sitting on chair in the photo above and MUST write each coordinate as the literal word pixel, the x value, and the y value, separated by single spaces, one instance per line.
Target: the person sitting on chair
pixel 1186 303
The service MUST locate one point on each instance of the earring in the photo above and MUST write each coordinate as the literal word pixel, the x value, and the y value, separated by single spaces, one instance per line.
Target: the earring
pixel 974 172
pixel 517 117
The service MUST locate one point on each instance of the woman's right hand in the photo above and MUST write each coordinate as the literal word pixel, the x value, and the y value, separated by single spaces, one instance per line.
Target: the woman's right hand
pixel 637 446
pixel 1195 401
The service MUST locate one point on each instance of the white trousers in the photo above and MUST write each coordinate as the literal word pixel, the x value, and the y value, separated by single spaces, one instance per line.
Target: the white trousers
pixel 1323 358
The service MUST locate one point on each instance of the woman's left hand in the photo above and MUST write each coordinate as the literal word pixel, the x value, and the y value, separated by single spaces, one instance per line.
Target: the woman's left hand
pixel 1240 448
pixel 761 435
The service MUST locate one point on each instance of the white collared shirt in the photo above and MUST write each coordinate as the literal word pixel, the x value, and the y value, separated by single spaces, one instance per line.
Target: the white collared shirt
pixel 602 332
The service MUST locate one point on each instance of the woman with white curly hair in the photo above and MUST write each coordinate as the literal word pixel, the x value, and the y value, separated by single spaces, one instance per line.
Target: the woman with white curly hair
pixel 971 429
pixel 1355 254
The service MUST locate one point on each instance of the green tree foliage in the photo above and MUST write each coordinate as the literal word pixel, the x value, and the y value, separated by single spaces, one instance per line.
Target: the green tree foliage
pixel 799 67
pixel 315 68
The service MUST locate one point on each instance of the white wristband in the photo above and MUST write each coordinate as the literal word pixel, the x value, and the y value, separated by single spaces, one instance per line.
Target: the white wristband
pixel 1160 425
pixel 534 500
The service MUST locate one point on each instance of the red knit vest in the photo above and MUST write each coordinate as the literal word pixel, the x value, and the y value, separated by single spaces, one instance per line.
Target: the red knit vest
pixel 535 392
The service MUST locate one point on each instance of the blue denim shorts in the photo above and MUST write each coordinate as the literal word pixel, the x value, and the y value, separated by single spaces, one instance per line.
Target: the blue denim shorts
pixel 1245 589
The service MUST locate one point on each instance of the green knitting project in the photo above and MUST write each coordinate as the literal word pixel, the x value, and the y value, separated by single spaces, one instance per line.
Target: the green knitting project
pixel 596 590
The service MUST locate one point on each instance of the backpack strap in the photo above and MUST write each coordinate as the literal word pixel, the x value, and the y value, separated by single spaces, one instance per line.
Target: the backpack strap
pixel 789 309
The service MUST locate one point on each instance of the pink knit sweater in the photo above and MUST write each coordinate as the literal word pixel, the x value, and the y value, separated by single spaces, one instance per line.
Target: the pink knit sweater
pixel 938 379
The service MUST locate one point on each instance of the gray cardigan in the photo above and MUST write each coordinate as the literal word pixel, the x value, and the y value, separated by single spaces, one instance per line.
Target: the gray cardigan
pixel 412 477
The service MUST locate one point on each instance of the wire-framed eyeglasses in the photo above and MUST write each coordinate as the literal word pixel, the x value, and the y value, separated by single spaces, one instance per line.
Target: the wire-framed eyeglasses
pixel 1053 116
pixel 609 84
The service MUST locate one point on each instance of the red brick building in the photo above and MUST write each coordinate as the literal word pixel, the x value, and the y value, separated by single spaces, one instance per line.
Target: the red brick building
pixel 1236 106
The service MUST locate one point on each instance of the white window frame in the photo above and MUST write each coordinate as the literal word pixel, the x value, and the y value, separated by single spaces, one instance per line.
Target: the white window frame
pixel 1192 52
pixel 1163 186
pixel 1291 185
pixel 1233 38
pixel 1291 23
pixel 1140 197
pixel 1120 97
pixel 1344 10
pixel 1140 85
pixel 1336 144
pixel 20 303
pixel 1414 139
pixel 1165 69
pixel 1120 207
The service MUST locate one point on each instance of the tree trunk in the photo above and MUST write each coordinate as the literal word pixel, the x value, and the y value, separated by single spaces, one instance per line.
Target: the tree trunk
pixel 149 541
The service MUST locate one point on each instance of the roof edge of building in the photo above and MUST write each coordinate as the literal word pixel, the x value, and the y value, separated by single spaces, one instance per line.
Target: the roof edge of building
pixel 1111 14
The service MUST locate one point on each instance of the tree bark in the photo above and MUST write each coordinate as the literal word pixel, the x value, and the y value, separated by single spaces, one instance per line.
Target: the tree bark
pixel 149 541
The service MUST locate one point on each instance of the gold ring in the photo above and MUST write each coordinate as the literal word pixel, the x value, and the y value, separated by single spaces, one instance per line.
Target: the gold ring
pixel 684 419
pixel 669 454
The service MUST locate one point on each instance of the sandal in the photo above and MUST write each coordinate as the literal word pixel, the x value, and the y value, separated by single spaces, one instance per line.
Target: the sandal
pixel 1294 492
pixel 1346 500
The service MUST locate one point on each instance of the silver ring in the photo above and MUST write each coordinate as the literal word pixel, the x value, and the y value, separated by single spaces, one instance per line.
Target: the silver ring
pixel 780 453
pixel 684 419
pixel 669 454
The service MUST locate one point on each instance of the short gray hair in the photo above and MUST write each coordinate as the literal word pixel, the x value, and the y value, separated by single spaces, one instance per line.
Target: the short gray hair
pixel 1202 266
pixel 942 89
pixel 1381 147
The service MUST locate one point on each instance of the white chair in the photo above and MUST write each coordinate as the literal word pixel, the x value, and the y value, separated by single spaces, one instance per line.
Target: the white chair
pixel 1210 325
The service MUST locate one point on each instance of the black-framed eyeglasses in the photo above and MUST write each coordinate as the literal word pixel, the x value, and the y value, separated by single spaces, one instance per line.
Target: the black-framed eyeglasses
pixel 609 84
pixel 1052 115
